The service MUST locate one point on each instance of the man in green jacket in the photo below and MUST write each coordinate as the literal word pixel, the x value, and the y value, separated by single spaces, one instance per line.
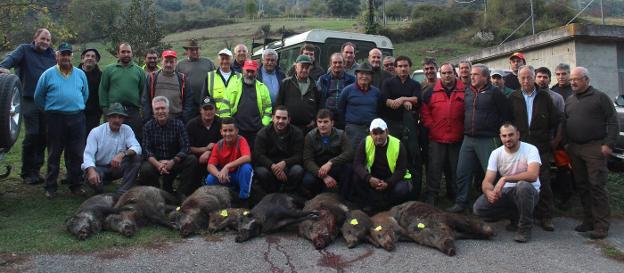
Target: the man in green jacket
pixel 123 82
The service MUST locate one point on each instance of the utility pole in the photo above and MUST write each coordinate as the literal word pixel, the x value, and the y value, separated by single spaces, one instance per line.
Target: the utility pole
pixel 602 13
pixel 532 18
pixel 484 14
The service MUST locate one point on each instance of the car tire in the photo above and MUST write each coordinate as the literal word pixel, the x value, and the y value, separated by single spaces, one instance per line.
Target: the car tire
pixel 10 110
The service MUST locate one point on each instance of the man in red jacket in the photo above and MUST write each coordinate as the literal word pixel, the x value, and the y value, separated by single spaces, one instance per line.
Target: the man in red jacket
pixel 443 115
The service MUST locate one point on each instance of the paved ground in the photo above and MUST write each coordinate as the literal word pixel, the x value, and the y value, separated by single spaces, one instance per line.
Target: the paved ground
pixel 561 251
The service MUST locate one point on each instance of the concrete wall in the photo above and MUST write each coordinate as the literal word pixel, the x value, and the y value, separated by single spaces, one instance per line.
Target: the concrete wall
pixel 546 56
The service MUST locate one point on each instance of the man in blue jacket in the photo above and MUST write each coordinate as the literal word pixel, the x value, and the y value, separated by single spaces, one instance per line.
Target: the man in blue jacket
pixel 29 61
pixel 331 85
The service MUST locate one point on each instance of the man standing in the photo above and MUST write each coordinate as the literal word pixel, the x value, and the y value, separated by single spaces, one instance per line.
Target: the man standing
pixel 171 84
pixel 218 80
pixel 277 154
pixel 430 68
pixel 486 108
pixel 251 103
pixel 516 60
pixel 499 82
pixel 388 64
pixel 166 152
pixel 315 70
pixel 270 74
pixel 29 61
pixel 380 169
pixel 399 94
pixel 516 192
pixel 230 162
pixel 443 116
pixel 535 117
pixel 62 92
pixel 562 72
pixel 542 79
pixel 89 65
pixel 151 62
pixel 331 85
pixel 204 132
pixel 464 68
pixel 327 155
pixel 300 95
pixel 195 68
pixel 591 128
pixel 358 103
pixel 112 152
pixel 124 82
pixel 379 75
pixel 348 53
pixel 240 56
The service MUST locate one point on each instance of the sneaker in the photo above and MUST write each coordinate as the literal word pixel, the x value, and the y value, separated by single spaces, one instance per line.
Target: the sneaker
pixel 79 192
pixel 584 227
pixel 599 233
pixel 50 194
pixel 523 235
pixel 456 209
pixel 547 224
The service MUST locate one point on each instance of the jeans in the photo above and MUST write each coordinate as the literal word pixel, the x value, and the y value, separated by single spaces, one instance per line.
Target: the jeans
pixel 242 178
pixel 128 170
pixel 441 155
pixel 516 203
pixel 270 184
pixel 546 201
pixel 34 144
pixel 474 153
pixel 66 132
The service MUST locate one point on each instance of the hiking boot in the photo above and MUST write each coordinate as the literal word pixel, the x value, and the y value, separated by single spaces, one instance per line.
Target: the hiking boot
pixel 599 233
pixel 50 195
pixel 547 224
pixel 523 235
pixel 456 209
pixel 584 227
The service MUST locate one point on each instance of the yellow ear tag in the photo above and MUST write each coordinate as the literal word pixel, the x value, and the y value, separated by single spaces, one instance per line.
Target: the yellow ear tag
pixel 245 212
pixel 421 225
pixel 378 228
pixel 354 222
pixel 178 209
pixel 224 213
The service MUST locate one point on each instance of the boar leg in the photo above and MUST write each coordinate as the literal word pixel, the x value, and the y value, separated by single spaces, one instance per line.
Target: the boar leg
pixel 470 229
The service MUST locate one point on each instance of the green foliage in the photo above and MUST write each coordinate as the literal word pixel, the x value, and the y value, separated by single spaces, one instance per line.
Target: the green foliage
pixel 399 8
pixel 341 8
pixel 92 20
pixel 429 20
pixel 250 8
pixel 138 27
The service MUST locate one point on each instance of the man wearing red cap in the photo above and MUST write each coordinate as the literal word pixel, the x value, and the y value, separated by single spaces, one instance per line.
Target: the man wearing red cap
pixel 172 85
pixel 250 103
pixel 516 60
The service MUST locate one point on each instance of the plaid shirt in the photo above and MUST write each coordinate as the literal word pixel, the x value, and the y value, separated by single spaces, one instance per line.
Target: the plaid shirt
pixel 165 142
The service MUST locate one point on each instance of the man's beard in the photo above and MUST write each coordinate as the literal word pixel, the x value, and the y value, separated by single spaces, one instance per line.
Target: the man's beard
pixel 249 80
pixel 88 66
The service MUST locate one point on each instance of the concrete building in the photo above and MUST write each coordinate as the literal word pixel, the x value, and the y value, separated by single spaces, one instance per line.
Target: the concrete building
pixel 600 48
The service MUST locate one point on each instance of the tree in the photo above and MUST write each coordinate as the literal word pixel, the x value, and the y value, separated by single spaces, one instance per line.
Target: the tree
pixel 250 8
pixel 139 27
pixel 93 20
pixel 343 7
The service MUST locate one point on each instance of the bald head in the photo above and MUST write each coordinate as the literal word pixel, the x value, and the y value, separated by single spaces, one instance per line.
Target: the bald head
pixel 240 53
pixel 374 57
pixel 526 77
pixel 579 79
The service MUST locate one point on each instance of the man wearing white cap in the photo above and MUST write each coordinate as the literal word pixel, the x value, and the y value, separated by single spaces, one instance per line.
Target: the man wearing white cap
pixel 380 166
pixel 218 80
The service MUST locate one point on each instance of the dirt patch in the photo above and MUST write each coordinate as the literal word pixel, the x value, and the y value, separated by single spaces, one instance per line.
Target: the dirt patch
pixel 609 250
pixel 11 262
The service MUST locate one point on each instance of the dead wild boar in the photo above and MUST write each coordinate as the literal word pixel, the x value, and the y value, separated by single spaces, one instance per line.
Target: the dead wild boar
pixel 385 231
pixel 356 227
pixel 89 218
pixel 192 216
pixel 323 229
pixel 226 218
pixel 273 212
pixel 139 206
pixel 433 227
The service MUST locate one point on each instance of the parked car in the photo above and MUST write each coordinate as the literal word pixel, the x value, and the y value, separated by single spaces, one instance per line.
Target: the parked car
pixel 616 161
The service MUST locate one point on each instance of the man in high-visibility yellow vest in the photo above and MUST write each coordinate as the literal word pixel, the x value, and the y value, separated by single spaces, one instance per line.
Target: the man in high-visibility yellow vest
pixel 380 166
pixel 250 103
pixel 218 81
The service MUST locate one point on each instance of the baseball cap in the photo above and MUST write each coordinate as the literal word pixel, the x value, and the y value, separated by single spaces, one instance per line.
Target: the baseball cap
pixel 496 73
pixel 517 55
pixel 303 59
pixel 250 65
pixel 225 51
pixel 116 109
pixel 378 124
pixel 206 101
pixel 169 54
pixel 65 47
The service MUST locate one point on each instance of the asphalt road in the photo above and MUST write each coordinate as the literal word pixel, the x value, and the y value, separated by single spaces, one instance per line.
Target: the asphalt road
pixel 561 251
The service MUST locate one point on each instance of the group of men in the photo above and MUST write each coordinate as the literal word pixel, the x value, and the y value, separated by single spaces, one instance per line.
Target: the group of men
pixel 365 131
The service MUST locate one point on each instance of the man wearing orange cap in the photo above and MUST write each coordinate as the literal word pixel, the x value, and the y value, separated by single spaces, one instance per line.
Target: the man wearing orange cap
pixel 172 85
pixel 250 103
pixel 516 60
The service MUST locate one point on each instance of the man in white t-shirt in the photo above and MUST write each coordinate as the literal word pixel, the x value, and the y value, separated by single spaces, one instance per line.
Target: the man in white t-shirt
pixel 516 193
